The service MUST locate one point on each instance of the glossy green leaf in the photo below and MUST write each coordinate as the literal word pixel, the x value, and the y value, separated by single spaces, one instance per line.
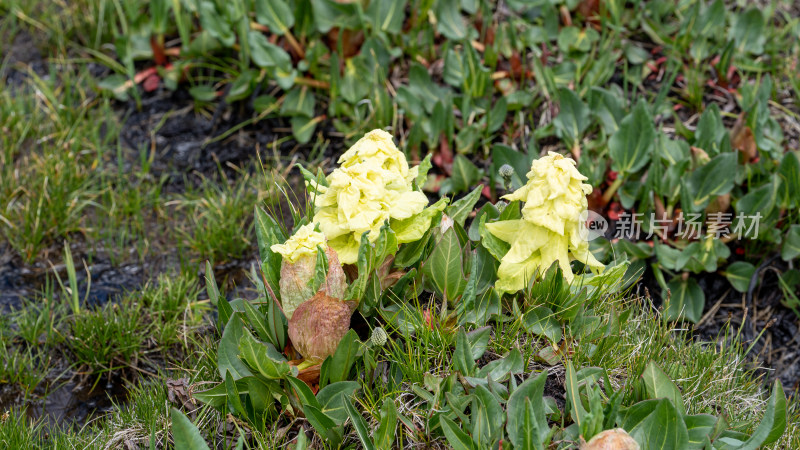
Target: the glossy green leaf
pixel 686 300
pixel 523 419
pixel 387 15
pixel 344 357
pixel 791 244
pixel 185 434
pixel 711 180
pixel 228 351
pixel 572 119
pixel 462 356
pixel 631 146
pixel 659 385
pixel 449 20
pixel 275 14
pixel 331 399
pixel 460 209
pixel 739 275
pixel 456 437
pixel 384 436
pixel 359 424
pixel 263 357
pixel 443 268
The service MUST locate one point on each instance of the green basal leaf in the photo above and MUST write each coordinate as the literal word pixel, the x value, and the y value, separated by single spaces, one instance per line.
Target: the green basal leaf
pixel 659 385
pixel 185 434
pixel 631 146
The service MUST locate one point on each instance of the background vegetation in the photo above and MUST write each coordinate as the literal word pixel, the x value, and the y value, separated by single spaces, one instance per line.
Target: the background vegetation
pixel 139 137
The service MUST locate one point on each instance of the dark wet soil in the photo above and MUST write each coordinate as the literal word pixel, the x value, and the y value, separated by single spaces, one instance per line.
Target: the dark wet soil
pixel 181 140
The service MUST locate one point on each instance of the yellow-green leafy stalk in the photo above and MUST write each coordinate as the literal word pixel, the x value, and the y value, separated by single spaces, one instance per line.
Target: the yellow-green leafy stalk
pixel 373 184
pixel 299 254
pixel 549 231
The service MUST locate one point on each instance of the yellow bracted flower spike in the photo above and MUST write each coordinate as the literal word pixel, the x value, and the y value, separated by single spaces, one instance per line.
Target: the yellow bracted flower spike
pixel 304 242
pixel 549 231
pixel 372 185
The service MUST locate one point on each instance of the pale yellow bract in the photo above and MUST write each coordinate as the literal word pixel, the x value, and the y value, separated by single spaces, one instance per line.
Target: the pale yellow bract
pixel 549 231
pixel 372 185
pixel 303 242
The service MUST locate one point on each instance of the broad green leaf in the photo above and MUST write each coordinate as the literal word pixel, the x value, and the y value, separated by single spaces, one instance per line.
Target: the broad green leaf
pixel 185 434
pixel 749 31
pixel 203 93
pixel 541 321
pixel 242 86
pixel 664 429
pixel 443 268
pixel 258 321
pixel 465 175
pixel 460 209
pixel 358 423
pixel 572 119
pixel 773 424
pixel 479 421
pixel 791 244
pixel 298 102
pixel 686 300
pixel 478 341
pixel 344 357
pixel 324 425
pixel 495 419
pixel 631 146
pixel 607 108
pixel 496 246
pixel 520 420
pixel 711 180
pixel 303 128
pixel 213 22
pixel 739 275
pixel 499 369
pixel 268 55
pixel 455 435
pixel 331 399
pixel 275 14
pixel 576 409
pixel 462 356
pixel 659 385
pixel 449 20
pixel 263 357
pixel 304 393
pixel 387 15
pixel 700 427
pixel 384 436
pixel 330 13
pixel 228 351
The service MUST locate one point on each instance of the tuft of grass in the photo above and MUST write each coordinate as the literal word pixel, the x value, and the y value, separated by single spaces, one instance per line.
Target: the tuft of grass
pixel 25 367
pixel 108 337
pixel 38 320
pixel 220 225
pixel 172 305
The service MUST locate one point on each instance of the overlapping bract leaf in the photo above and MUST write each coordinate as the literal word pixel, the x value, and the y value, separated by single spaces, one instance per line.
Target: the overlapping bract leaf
pixel 298 269
pixel 372 185
pixel 549 231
